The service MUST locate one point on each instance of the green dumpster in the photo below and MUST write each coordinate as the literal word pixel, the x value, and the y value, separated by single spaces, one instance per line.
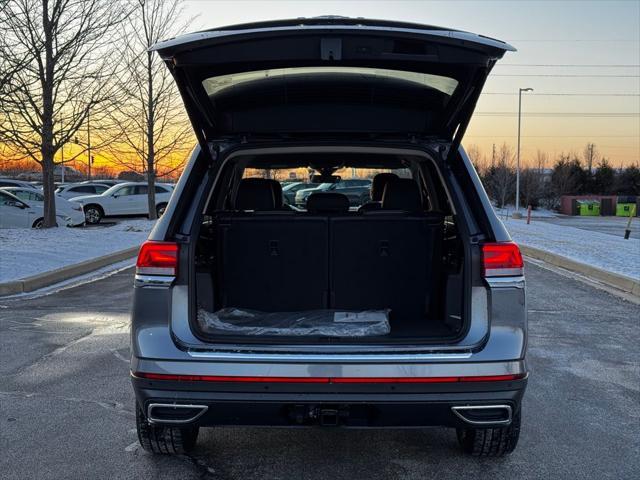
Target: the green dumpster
pixel 625 209
pixel 588 208
pixel 626 205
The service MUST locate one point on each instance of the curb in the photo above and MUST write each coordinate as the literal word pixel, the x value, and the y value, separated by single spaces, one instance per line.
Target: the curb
pixel 35 282
pixel 615 280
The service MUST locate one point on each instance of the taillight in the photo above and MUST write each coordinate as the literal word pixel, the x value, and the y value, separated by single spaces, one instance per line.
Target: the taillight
pixel 501 260
pixel 158 258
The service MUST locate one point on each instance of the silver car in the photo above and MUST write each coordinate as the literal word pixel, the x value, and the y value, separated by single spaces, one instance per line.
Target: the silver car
pixel 409 312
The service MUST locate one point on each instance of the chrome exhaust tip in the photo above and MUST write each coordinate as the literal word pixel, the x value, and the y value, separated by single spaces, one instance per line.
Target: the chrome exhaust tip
pixel 479 415
pixel 174 413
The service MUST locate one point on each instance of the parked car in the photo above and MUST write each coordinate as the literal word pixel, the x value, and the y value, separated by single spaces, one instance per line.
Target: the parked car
pixel 14 213
pixel 9 182
pixel 356 190
pixel 73 190
pixel 289 191
pixel 101 181
pixel 412 315
pixel 129 198
pixel 63 206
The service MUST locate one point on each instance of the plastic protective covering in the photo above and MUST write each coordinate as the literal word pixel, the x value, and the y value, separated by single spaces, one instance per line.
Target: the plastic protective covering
pixel 328 323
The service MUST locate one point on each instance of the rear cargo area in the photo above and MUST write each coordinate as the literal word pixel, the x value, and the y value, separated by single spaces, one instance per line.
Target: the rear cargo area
pixel 389 271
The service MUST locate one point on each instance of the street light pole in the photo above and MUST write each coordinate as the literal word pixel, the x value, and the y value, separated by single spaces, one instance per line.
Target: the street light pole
pixel 517 212
pixel 89 145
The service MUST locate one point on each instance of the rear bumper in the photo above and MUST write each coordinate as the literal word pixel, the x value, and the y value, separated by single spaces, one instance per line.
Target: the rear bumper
pixel 358 405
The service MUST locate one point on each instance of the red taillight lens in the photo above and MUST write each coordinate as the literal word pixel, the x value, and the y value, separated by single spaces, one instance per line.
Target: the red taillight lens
pixel 158 258
pixel 501 260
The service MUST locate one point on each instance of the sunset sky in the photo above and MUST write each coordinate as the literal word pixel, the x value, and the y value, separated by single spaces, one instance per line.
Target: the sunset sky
pixel 586 38
pixel 582 58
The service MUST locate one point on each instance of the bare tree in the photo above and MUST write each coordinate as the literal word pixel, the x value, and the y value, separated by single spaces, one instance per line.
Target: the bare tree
pixel 58 52
pixel 500 177
pixel 153 132
pixel 531 186
pixel 590 156
pixel 541 161
pixel 567 177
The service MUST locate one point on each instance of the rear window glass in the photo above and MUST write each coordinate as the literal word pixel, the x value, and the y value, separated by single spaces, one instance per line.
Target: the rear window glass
pixel 83 189
pixel 355 183
pixel 215 85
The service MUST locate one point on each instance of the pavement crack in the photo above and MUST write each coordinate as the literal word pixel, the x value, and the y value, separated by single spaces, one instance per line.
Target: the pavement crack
pixel 110 405
pixel 52 353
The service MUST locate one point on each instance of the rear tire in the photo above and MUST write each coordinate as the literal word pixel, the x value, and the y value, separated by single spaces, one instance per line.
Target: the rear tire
pixel 38 223
pixel 164 440
pixel 160 208
pixel 93 214
pixel 490 442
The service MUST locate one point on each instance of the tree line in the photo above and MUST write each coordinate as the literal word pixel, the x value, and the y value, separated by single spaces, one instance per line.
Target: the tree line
pixel 540 185
pixel 79 72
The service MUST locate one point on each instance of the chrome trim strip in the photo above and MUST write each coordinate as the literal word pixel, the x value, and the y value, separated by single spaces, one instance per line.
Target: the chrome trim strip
pixel 457 411
pixel 203 409
pixel 329 357
pixel 153 281
pixel 506 282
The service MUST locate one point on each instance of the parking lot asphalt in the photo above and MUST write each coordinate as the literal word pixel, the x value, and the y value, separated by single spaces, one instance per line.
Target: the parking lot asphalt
pixel 66 404
pixel 610 225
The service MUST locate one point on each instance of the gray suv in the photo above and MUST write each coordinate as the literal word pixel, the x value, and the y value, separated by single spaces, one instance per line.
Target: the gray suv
pixel 407 312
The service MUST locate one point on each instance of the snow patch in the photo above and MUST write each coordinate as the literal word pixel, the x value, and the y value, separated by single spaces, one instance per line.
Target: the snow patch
pixel 608 252
pixel 27 252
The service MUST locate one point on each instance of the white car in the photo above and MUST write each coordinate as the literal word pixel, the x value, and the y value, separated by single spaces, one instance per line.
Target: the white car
pixel 10 182
pixel 63 206
pixel 123 199
pixel 14 213
pixel 72 190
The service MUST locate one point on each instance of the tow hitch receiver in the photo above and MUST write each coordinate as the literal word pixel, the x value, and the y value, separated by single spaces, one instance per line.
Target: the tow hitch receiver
pixel 323 415
pixel 328 417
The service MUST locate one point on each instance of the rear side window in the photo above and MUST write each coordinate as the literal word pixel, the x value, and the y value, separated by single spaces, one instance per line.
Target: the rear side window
pixel 129 190
pixel 33 196
pixel 83 189
pixel 100 188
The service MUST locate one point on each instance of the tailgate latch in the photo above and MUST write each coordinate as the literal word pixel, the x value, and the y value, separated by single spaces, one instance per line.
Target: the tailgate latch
pixel 331 48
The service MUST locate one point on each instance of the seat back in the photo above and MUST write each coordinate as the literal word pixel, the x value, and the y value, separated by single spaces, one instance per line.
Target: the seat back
pixel 273 262
pixel 384 261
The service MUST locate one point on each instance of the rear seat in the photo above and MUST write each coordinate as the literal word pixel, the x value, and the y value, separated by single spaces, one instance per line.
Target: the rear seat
pixel 274 260
pixel 377 189
pixel 386 258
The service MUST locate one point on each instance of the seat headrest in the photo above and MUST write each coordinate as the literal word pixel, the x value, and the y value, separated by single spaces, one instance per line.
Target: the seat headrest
pixel 255 194
pixel 277 193
pixel 402 194
pixel 378 184
pixel 327 202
